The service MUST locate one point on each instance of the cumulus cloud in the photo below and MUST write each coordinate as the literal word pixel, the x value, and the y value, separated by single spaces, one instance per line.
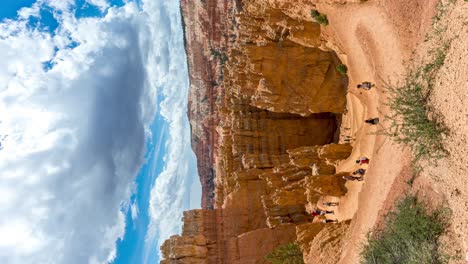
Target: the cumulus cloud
pixel 101 4
pixel 75 109
pixel 177 188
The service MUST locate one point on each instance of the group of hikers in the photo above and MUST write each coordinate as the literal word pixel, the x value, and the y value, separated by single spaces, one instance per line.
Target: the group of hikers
pixel 357 175
pixel 318 212
pixel 367 86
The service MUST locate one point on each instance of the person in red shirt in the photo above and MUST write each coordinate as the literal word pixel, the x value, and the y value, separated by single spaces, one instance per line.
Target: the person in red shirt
pixel 363 160
pixel 318 212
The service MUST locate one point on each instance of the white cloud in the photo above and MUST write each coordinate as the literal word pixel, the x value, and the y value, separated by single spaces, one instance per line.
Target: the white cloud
pixel 177 188
pixel 60 5
pixel 75 133
pixel 101 4
pixel 134 211
pixel 26 12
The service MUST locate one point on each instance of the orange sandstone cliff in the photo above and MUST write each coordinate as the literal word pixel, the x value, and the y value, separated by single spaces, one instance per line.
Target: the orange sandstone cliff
pixel 265 104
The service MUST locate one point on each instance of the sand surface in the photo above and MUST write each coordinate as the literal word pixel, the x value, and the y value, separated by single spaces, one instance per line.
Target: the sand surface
pixel 376 40
pixel 449 176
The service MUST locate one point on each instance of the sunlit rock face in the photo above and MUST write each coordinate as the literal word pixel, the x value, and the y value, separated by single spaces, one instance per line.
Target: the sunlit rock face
pixel 276 61
pixel 309 174
pixel 264 106
pixel 324 246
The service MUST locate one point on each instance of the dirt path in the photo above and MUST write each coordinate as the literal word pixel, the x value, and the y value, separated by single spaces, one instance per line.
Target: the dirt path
pixel 374 45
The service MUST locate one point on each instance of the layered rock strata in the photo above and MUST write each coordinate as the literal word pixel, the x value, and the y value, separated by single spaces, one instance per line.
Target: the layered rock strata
pixel 264 54
pixel 265 209
pixel 309 174
pixel 264 106
pixel 205 25
pixel 322 244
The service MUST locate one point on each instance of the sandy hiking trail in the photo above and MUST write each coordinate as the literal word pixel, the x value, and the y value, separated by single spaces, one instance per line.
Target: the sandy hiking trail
pixel 376 40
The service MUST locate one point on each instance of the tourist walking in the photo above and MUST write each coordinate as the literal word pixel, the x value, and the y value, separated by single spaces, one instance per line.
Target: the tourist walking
pixel 372 121
pixel 318 212
pixel 359 172
pixel 365 85
pixel 353 178
pixel 362 160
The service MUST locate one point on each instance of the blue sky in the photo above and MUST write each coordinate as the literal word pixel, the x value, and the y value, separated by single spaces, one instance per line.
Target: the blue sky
pixel 131 248
pixel 95 146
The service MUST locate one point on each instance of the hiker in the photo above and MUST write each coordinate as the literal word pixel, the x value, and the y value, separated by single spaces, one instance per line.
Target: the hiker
pixel 318 212
pixel 330 203
pixel 353 178
pixel 365 85
pixel 372 121
pixel 362 160
pixel 326 221
pixel 359 172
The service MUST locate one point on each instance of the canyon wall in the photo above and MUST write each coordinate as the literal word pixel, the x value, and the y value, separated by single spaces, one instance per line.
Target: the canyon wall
pixel 264 208
pixel 204 25
pixel 264 106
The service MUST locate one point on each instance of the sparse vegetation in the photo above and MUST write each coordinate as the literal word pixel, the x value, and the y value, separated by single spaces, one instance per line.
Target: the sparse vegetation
pixel 319 18
pixel 314 13
pixel 442 9
pixel 413 121
pixel 439 55
pixel 342 69
pixel 219 55
pixel 286 254
pixel 410 236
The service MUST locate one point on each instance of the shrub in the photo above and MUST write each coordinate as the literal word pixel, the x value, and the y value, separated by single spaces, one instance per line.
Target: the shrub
pixel 219 55
pixel 286 254
pixel 438 60
pixel 319 18
pixel 342 69
pixel 410 235
pixel 413 122
pixel 314 13
pixel 322 19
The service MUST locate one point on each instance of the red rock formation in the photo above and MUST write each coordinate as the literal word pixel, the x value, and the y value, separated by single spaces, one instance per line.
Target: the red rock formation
pixel 308 175
pixel 263 106
pixel 325 246
pixel 205 26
